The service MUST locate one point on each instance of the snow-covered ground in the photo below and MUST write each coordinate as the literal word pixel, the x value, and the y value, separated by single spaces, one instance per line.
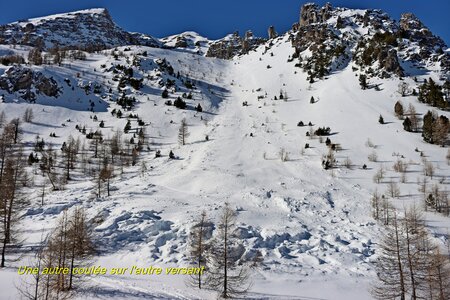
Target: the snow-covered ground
pixel 314 227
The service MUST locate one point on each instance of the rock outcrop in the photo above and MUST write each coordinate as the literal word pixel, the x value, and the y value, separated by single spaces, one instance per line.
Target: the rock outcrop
pixel 310 13
pixel 272 33
pixel 431 46
pixel 86 29
pixel 27 83
pixel 388 60
pixel 331 34
pixel 233 45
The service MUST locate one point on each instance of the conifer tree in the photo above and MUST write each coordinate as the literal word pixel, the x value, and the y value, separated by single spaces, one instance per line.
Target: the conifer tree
pixel 407 124
pixel 398 108
pixel 363 81
pixel 225 275
pixel 199 246
pixel 183 132
pixel 427 128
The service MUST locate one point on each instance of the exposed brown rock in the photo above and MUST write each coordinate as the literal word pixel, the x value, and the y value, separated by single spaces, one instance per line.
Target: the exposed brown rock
pixel 311 13
pixel 271 32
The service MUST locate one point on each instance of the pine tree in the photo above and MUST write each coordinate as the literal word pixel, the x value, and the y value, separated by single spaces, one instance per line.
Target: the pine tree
pixel 35 56
pixel 28 115
pixel 2 118
pixel 15 124
pixel 127 127
pixel 80 243
pixel 417 247
pixel 69 246
pixel 431 93
pixel 427 128
pixel 106 174
pixel 179 103
pixel 70 151
pixel 407 124
pixel 441 127
pixel 115 145
pixel 398 108
pixel 363 81
pixel 390 266
pixel 199 246
pixel 225 275
pixel 12 180
pixel 405 267
pixel 412 114
pixel 183 132
pixel 438 276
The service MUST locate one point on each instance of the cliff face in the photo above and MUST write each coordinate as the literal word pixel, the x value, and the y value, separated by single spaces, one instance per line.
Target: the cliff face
pixel 311 13
pixel 28 83
pixel 233 45
pixel 86 29
pixel 333 37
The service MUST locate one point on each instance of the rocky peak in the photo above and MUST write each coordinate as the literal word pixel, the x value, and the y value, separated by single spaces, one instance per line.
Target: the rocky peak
pixel 334 36
pixel 85 29
pixel 409 21
pixel 412 28
pixel 233 45
pixel 430 47
pixel 311 13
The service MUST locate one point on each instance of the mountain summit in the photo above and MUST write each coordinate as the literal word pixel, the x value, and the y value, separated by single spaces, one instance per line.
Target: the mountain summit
pixel 332 37
pixel 85 29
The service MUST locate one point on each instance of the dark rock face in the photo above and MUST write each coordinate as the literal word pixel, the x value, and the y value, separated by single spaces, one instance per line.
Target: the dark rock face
pixel 431 46
pixel 413 29
pixel 47 86
pixel 233 45
pixel 90 29
pixel 181 42
pixel 271 32
pixel 312 35
pixel 311 13
pixel 330 35
pixel 27 82
pixel 388 59
pixel 20 79
pixel 380 48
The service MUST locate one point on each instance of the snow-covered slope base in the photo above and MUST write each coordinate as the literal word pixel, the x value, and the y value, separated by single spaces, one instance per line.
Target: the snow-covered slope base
pixel 314 227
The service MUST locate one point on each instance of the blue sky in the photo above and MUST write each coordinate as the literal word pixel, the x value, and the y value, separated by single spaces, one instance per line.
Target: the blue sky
pixel 214 19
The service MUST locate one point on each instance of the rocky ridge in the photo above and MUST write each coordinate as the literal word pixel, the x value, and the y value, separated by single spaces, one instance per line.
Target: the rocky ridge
pixel 90 29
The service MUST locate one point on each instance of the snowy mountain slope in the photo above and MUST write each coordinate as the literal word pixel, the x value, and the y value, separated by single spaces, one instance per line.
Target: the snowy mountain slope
pixel 314 227
pixel 91 28
pixel 188 41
